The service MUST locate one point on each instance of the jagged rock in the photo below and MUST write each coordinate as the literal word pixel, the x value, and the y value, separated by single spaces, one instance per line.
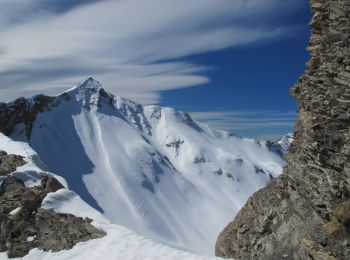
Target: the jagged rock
pixel 24 111
pixel 24 225
pixel 305 213
pixel 11 191
pixel 9 162
pixel 50 184
pixel 63 231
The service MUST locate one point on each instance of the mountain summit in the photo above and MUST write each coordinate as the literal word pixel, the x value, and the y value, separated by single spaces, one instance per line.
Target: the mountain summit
pixel 89 92
pixel 90 83
pixel 149 168
pixel 86 87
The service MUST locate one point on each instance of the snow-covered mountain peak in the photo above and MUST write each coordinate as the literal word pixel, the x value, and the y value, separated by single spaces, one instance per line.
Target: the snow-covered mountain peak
pixel 89 92
pixel 285 141
pixel 90 83
pixel 281 145
pixel 152 169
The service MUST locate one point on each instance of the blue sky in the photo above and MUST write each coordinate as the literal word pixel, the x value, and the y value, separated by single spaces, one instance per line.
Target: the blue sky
pixel 228 62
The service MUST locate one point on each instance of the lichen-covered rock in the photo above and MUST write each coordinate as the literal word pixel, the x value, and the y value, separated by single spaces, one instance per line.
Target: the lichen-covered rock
pixel 63 231
pixel 24 225
pixel 9 162
pixel 305 213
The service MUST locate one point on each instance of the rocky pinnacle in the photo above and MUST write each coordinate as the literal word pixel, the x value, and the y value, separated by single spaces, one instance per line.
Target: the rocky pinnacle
pixel 305 213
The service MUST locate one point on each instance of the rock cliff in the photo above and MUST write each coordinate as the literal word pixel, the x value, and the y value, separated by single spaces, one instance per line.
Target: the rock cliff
pixel 305 213
pixel 25 225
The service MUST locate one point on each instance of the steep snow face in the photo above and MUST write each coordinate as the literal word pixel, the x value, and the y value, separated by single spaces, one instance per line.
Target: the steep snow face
pixel 119 243
pixel 149 168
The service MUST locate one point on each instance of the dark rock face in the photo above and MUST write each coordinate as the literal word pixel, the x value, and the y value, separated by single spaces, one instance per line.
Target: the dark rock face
pixel 24 111
pixel 21 111
pixel 305 213
pixel 9 163
pixel 24 225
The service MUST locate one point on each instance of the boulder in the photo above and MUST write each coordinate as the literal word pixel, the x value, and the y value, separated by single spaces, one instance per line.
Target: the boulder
pixel 9 163
pixel 25 225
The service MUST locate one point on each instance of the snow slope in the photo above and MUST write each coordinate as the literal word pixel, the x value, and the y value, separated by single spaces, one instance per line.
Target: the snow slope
pixel 119 243
pixel 151 169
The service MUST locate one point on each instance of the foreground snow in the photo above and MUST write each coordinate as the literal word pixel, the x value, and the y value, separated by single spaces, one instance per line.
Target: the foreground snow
pixel 119 244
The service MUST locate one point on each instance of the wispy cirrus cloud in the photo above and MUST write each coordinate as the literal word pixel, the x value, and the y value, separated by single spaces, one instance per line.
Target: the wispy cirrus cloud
pixel 135 48
pixel 237 121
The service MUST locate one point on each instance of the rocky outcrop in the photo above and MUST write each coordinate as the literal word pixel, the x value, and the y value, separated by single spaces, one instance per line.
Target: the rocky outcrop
pixel 24 225
pixel 9 163
pixel 24 111
pixel 305 213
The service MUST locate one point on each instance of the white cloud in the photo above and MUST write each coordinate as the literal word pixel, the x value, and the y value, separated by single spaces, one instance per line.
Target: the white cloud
pixel 15 11
pixel 122 43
